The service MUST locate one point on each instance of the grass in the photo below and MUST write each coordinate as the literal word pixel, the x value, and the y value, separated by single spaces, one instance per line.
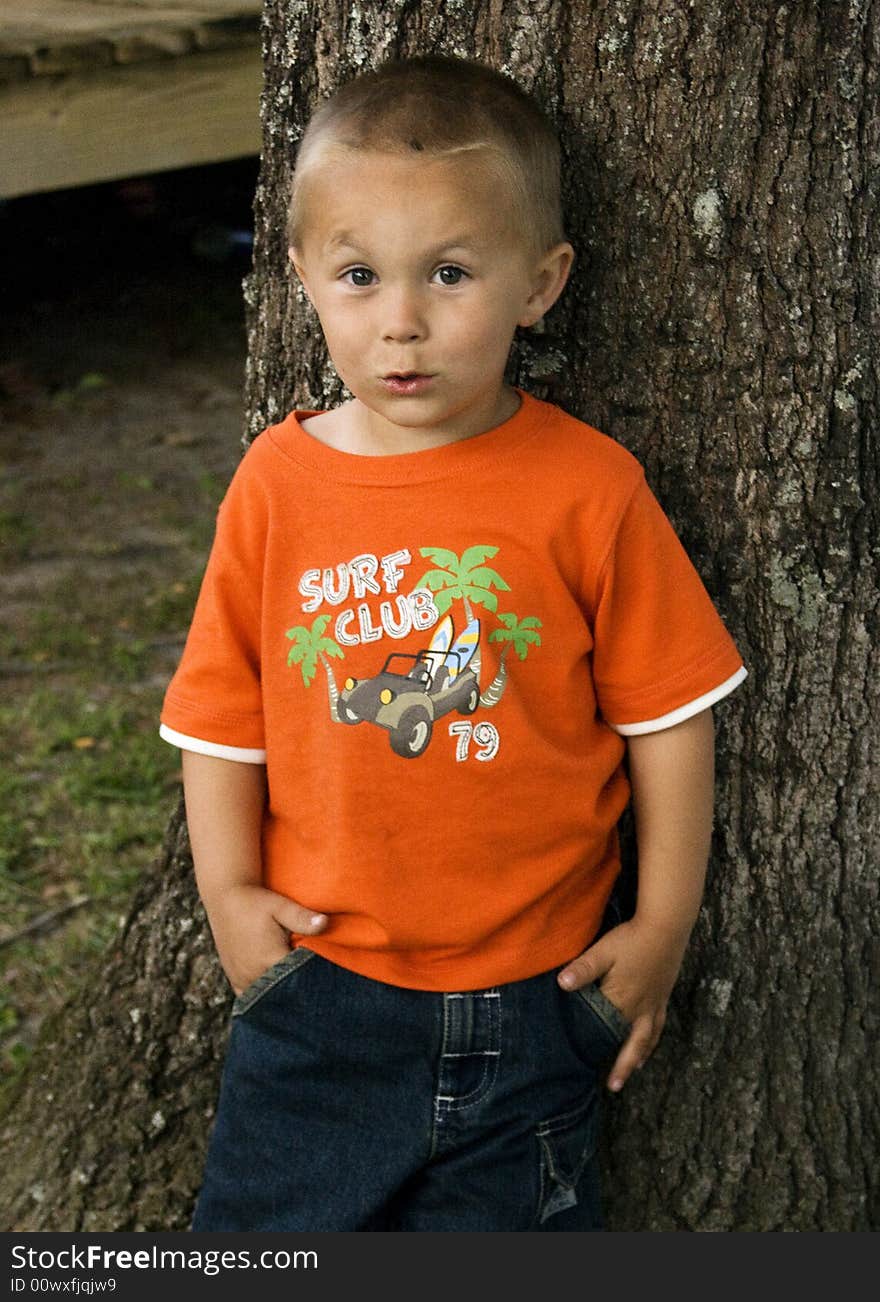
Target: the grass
pixel 18 531
pixel 86 785
pixel 85 798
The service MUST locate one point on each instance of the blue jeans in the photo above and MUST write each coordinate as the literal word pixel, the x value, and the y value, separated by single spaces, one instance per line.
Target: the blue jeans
pixel 350 1104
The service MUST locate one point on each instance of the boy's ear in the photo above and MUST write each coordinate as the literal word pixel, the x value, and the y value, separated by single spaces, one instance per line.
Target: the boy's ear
pixel 548 282
pixel 293 255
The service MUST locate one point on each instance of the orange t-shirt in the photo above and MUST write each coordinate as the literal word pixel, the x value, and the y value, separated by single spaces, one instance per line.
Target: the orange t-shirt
pixel 438 656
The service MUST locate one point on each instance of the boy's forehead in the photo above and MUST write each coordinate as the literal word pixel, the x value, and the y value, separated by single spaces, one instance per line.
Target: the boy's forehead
pixel 470 240
pixel 359 199
pixel 366 166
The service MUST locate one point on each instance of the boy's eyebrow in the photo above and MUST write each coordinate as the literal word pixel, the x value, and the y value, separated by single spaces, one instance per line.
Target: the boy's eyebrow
pixel 345 239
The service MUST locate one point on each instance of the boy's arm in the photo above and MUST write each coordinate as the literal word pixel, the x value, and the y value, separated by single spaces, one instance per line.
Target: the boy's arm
pixel 225 800
pixel 672 774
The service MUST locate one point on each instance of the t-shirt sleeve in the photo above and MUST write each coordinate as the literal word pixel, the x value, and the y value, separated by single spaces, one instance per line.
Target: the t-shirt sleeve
pixel 661 651
pixel 213 703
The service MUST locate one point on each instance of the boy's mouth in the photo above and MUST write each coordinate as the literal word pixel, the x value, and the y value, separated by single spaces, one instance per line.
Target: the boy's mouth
pixel 406 382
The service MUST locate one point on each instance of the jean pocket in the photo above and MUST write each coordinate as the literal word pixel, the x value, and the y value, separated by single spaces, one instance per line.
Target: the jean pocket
pixel 606 1015
pixel 567 1143
pixel 269 979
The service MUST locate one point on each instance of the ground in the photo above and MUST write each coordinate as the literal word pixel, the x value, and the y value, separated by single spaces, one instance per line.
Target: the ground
pixel 122 352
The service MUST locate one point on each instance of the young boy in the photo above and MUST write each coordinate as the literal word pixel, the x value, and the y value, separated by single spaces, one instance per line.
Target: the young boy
pixel 433 622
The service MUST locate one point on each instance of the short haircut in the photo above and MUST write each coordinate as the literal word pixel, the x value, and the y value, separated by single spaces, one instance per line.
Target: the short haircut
pixel 442 105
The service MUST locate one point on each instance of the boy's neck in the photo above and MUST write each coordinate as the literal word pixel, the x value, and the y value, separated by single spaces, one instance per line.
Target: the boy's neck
pixel 354 427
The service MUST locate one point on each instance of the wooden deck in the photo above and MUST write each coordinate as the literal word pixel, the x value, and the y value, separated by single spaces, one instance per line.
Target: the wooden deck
pixel 96 89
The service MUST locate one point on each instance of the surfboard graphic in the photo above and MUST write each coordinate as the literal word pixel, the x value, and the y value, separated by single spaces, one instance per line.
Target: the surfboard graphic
pixel 443 635
pixel 440 643
pixel 466 644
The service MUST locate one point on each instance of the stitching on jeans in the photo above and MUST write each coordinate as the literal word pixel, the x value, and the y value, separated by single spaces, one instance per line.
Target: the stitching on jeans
pixel 565 1119
pixel 461 1102
pixel 436 1110
pixel 607 1012
pixel 542 1191
pixel 260 987
pixel 562 1194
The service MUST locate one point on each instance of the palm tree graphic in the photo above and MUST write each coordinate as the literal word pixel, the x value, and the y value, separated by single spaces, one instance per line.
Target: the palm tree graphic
pixel 310 646
pixel 467 579
pixel 519 634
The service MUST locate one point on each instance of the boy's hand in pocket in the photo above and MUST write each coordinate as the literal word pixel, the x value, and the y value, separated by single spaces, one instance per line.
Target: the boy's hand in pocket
pixel 636 966
pixel 251 925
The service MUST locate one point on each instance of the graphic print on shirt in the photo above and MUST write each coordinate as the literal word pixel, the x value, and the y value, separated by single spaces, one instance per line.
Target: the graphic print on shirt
pixel 406 692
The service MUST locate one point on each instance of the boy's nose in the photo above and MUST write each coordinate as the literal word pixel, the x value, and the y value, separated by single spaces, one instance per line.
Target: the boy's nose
pixel 404 319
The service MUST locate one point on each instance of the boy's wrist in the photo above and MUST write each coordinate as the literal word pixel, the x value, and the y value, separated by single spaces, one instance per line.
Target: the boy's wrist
pixel 219 895
pixel 673 928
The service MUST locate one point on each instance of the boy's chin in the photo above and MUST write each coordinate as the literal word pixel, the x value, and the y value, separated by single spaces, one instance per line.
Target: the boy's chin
pixel 386 402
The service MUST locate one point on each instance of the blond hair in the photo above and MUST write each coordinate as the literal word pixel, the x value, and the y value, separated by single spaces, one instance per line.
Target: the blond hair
pixel 442 105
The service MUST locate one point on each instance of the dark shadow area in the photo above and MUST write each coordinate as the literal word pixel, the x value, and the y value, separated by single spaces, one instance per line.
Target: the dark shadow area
pixel 122 352
pixel 148 265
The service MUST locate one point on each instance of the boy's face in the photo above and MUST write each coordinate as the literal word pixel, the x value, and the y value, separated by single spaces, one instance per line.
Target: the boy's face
pixel 415 266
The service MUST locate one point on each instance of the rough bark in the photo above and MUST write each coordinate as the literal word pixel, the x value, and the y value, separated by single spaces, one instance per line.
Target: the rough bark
pixel 107 1130
pixel 721 193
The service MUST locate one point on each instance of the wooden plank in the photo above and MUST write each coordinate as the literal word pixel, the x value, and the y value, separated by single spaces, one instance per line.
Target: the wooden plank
pixel 124 121
pixel 49 36
pixel 50 19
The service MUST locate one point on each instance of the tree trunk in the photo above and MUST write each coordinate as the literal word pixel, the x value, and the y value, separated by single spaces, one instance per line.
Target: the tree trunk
pixel 495 690
pixel 332 689
pixel 720 165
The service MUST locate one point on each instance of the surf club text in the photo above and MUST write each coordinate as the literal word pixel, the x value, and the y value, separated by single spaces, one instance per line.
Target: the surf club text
pixel 356 579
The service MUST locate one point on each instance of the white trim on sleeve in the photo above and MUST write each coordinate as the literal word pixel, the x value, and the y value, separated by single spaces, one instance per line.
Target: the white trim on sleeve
pixel 241 753
pixel 684 711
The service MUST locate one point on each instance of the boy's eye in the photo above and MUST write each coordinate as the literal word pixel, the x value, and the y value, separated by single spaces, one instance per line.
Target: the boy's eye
pixel 456 271
pixel 362 276
pixel 358 271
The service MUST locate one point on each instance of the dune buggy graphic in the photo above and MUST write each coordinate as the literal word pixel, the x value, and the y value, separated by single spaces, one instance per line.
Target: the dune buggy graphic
pixel 409 694
pixel 412 691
